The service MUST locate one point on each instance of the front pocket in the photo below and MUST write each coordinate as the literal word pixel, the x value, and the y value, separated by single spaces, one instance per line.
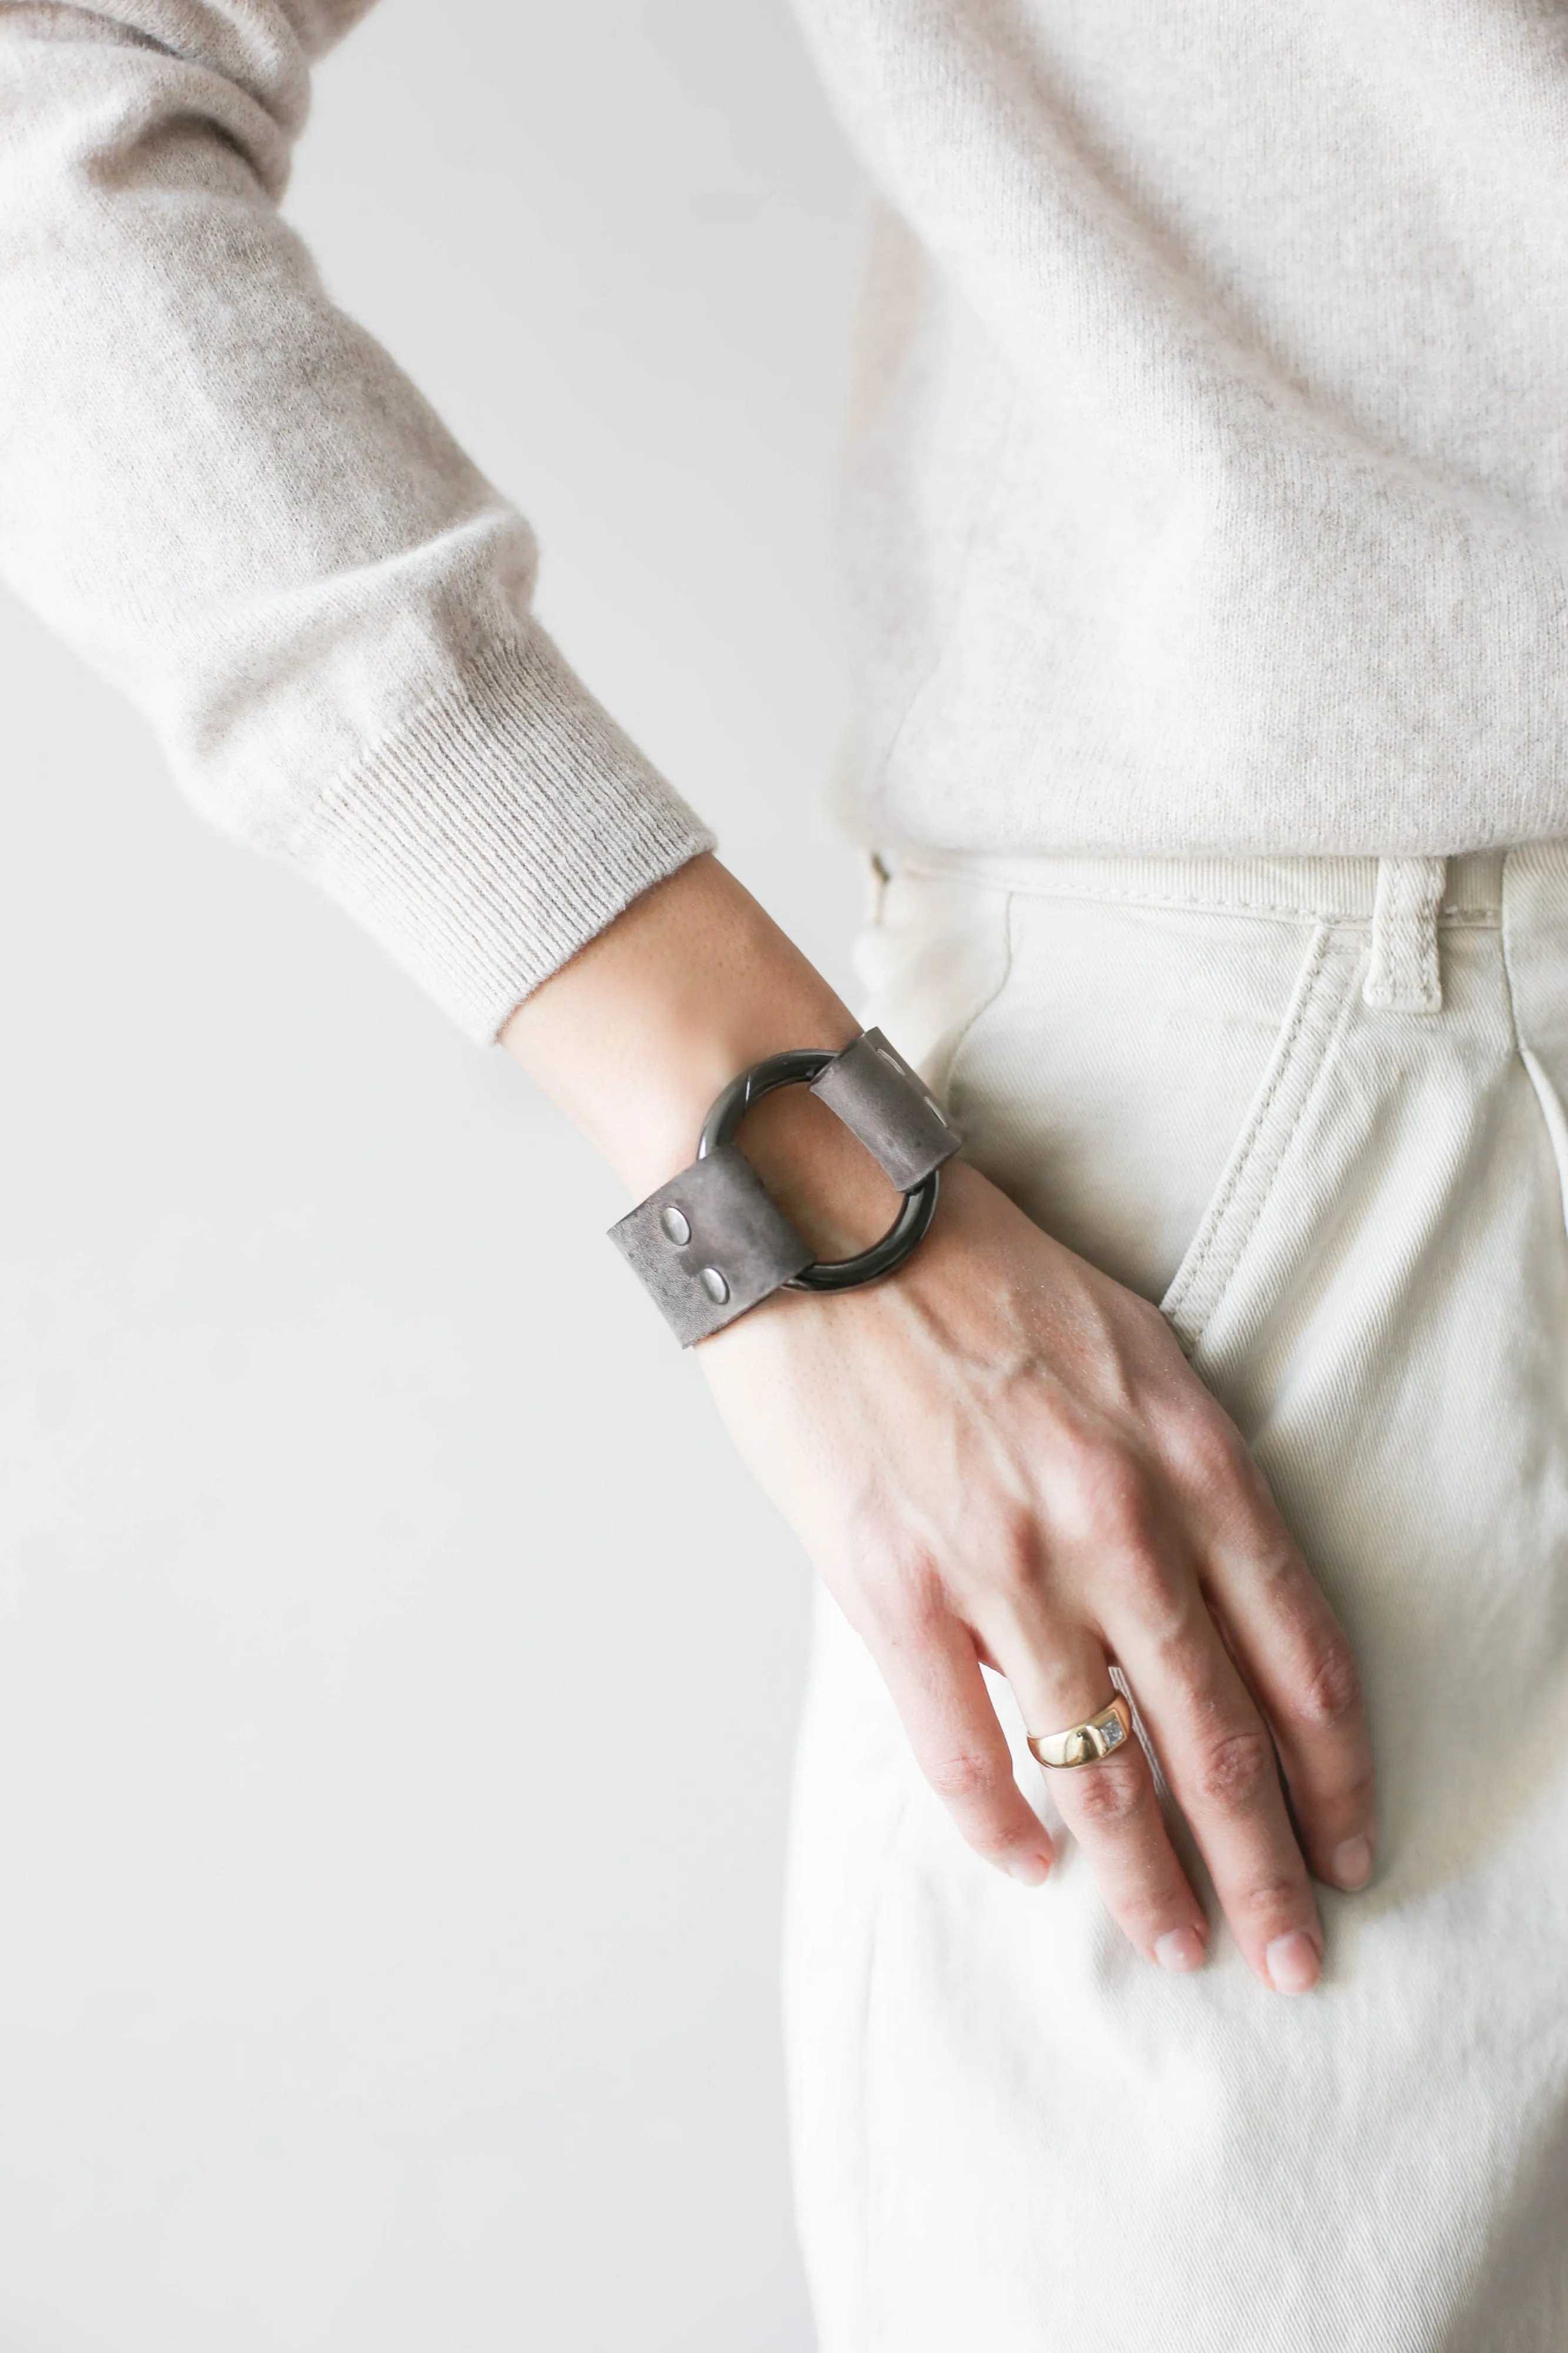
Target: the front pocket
pixel 1316 1009
pixel 1129 1044
pixel 1535 902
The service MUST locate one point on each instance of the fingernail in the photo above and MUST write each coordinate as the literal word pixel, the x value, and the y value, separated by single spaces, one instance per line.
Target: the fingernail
pixel 1030 1870
pixel 1179 1948
pixel 1292 1963
pixel 1349 1865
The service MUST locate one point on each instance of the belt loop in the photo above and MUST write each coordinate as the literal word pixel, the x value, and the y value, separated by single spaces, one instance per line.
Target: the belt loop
pixel 1403 976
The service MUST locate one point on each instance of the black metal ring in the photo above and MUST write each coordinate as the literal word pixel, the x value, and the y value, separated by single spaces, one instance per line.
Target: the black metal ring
pixel 798 1068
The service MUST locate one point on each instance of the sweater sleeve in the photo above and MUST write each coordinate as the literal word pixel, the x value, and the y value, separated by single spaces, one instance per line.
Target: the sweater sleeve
pixel 230 502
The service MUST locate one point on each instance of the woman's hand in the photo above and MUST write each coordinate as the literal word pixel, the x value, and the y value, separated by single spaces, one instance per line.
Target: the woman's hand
pixel 1001 1456
pixel 997 1456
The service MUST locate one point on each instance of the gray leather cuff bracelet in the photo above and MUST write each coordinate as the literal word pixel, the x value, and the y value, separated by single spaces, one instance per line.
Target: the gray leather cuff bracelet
pixel 712 1243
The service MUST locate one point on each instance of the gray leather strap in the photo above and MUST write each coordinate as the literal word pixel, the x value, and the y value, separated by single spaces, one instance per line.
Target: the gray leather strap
pixel 712 1243
pixel 889 1107
pixel 738 1247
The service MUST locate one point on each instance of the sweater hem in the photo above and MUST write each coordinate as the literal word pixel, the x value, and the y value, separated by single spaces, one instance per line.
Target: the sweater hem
pixel 505 824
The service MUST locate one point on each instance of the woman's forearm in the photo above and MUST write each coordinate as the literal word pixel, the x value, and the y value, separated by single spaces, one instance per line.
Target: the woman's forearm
pixel 635 1036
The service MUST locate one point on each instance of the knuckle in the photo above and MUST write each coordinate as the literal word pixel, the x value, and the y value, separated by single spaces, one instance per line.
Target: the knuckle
pixel 880 1580
pixel 899 1604
pixel 1114 1493
pixel 1126 1517
pixel 1208 1451
pixel 919 1611
pixel 1331 1691
pixel 1354 1799
pixel 1233 1770
pixel 1186 1649
pixel 1274 1896
pixel 1146 1912
pixel 1109 1794
pixel 1159 1589
pixel 961 1776
pixel 1121 1511
pixel 869 1535
pixel 1013 1566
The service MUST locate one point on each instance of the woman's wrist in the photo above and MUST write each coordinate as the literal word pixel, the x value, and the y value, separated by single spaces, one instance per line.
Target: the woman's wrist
pixel 635 1036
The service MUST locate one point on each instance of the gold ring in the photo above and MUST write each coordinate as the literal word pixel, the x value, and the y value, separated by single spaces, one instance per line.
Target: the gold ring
pixel 1086 1743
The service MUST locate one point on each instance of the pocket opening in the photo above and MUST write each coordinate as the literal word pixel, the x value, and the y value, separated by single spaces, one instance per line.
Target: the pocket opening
pixel 1300 1053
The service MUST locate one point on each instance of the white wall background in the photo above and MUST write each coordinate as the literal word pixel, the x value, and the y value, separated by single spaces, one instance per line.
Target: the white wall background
pixel 396 1676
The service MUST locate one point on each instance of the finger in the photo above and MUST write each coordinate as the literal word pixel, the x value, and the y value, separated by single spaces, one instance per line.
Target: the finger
pixel 1060 1677
pixel 1219 1760
pixel 934 1675
pixel 1295 1655
pixel 1299 1662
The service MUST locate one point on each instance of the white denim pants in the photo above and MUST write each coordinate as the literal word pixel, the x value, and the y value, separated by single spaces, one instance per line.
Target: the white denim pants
pixel 1314 1106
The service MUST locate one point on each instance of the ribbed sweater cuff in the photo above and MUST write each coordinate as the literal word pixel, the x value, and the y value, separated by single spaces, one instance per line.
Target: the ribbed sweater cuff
pixel 504 826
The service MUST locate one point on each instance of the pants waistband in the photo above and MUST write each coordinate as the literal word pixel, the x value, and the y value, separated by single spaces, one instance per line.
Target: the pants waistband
pixel 1330 890
pixel 1406 901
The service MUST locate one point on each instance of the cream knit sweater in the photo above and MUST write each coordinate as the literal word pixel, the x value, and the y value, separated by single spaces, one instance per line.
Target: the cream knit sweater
pixel 1212 480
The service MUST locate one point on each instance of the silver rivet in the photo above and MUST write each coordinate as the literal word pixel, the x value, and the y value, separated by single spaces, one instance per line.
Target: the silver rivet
pixel 677 1228
pixel 714 1284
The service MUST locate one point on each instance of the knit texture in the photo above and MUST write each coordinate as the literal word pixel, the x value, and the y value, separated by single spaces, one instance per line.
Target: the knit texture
pixel 229 499
pixel 504 824
pixel 1210 490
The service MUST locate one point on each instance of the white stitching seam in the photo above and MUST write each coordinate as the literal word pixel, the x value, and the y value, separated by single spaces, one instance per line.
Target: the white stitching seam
pixel 1214 1255
pixel 1203 901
